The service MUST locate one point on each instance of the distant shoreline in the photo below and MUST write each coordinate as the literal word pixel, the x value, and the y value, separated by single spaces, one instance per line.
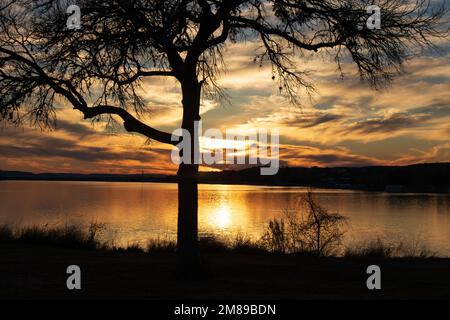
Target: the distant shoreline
pixel 231 184
pixel 420 178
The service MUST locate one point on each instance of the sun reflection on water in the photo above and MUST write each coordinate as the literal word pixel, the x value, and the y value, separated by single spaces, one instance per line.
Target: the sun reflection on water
pixel 221 218
pixel 137 212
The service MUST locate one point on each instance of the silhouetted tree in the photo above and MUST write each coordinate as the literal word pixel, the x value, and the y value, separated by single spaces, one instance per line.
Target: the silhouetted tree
pixel 321 230
pixel 99 68
pixel 312 230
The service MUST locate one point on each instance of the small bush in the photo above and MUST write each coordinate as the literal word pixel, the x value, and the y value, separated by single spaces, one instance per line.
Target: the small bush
pixel 68 236
pixel 244 244
pixel 312 231
pixel 372 249
pixel 161 245
pixel 382 249
pixel 276 238
pixel 6 234
pixel 211 243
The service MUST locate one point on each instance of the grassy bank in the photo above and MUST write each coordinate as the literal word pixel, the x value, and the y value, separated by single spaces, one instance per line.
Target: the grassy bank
pixel 288 262
pixel 39 272
pixel 89 239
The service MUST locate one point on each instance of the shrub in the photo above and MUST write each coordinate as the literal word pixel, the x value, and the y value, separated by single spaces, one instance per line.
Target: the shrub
pixel 161 244
pixel 389 249
pixel 68 236
pixel 313 230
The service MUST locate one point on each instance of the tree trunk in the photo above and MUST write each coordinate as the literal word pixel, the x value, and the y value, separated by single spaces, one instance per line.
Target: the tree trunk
pixel 188 259
pixel 187 242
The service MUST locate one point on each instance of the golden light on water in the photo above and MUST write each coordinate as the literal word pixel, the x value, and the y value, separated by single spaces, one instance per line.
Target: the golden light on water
pixel 221 218
pixel 137 212
pixel 221 209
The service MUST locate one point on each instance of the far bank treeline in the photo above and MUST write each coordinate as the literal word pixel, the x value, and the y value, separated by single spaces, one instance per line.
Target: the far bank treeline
pixel 414 178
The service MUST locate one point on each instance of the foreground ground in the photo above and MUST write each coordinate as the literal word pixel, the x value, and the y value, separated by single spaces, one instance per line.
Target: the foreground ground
pixel 36 272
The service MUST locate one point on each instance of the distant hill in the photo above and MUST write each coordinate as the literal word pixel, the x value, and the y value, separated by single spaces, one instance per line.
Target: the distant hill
pixel 433 177
pixel 19 175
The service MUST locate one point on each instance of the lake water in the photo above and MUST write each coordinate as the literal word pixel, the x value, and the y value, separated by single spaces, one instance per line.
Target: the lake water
pixel 137 212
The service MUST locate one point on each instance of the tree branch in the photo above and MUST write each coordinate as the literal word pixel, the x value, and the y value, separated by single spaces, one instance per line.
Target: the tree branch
pixel 131 124
pixel 137 75
pixel 252 24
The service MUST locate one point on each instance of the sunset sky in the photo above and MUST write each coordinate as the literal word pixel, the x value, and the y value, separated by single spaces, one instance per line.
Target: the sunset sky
pixel 345 123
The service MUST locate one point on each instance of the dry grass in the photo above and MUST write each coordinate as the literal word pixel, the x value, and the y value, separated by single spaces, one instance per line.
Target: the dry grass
pixel 89 239
pixel 388 249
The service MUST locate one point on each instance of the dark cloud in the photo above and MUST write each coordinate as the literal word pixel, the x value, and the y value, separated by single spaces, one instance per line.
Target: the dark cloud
pixel 392 123
pixel 323 119
pixel 309 121
pixel 325 157
pixel 77 129
pixel 50 147
pixel 326 103
pixel 339 160
pixel 390 148
pixel 437 110
pixel 436 79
